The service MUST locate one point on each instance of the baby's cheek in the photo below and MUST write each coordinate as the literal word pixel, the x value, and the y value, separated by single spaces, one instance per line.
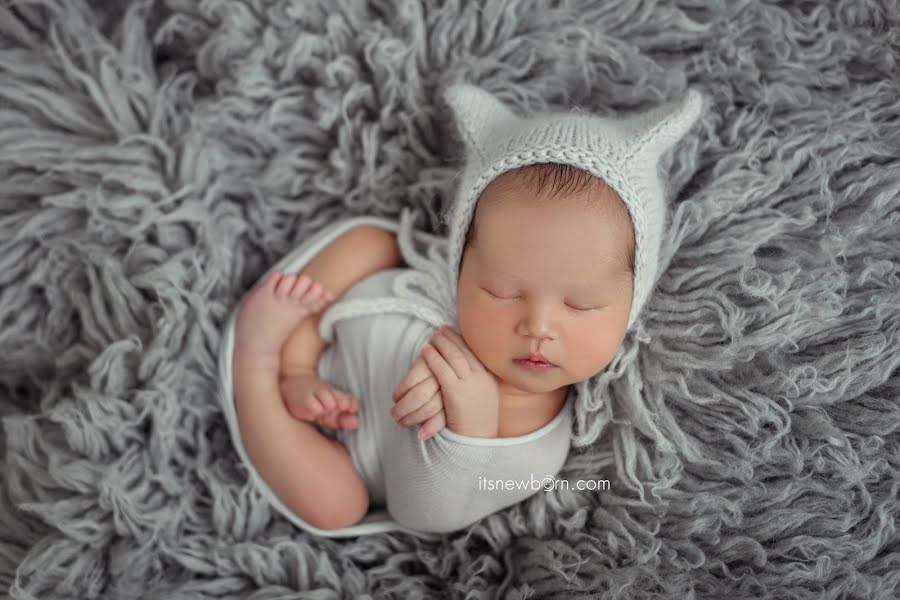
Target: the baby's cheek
pixel 590 350
pixel 472 319
pixel 481 324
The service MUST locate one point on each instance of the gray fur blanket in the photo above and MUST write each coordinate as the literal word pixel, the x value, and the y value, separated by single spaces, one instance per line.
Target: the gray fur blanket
pixel 157 156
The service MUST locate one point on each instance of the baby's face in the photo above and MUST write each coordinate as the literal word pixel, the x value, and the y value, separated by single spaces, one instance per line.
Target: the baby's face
pixel 545 276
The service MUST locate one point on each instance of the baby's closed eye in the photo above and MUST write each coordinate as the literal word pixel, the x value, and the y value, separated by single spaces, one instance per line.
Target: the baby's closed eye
pixel 582 307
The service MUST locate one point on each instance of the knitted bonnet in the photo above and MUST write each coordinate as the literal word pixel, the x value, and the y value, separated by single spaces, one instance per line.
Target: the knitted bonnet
pixel 623 152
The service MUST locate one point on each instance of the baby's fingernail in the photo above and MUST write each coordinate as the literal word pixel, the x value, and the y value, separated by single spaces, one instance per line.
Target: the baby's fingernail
pixel 422 434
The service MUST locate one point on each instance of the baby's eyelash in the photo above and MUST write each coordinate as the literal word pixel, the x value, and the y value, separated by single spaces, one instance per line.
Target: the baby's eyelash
pixel 500 297
pixel 516 297
pixel 582 309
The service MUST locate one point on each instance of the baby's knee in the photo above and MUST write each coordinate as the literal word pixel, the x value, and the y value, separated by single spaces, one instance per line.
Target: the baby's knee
pixel 344 501
pixel 337 515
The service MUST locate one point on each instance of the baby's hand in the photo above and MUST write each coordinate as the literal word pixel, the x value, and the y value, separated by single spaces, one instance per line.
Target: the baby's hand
pixel 417 399
pixel 469 392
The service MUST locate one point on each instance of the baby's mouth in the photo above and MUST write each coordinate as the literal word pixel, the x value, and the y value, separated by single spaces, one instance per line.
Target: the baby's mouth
pixel 534 358
pixel 531 364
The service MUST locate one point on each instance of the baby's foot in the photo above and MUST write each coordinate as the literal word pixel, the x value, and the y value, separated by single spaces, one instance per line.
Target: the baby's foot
pixel 271 311
pixel 310 398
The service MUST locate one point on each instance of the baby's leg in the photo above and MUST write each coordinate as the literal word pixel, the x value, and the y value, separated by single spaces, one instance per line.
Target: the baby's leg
pixel 314 477
pixel 355 254
pixel 352 256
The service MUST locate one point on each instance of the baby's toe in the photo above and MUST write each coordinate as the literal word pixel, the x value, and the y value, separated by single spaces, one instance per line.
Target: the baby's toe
pixel 325 298
pixel 305 409
pixel 348 421
pixel 300 286
pixel 314 405
pixel 329 419
pixel 285 284
pixel 347 402
pixel 327 399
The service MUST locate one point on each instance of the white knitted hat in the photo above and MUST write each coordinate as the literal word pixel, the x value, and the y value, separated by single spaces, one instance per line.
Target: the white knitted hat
pixel 623 152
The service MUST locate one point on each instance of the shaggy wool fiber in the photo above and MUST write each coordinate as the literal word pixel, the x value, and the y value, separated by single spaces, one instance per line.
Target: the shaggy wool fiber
pixel 157 157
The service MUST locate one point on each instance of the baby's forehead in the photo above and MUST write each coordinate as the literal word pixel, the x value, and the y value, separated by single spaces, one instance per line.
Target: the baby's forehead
pixel 605 220
pixel 611 263
pixel 569 242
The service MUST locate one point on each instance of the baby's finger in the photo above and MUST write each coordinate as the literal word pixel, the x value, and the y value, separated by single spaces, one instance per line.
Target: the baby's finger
pixel 439 366
pixel 432 426
pixel 402 389
pixel 473 361
pixel 452 354
pixel 414 398
pixel 417 374
pixel 426 410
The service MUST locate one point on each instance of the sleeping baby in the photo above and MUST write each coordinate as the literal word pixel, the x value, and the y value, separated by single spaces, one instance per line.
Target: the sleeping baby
pixel 382 378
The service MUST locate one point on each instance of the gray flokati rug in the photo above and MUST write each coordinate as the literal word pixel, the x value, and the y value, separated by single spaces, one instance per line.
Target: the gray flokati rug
pixel 156 158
